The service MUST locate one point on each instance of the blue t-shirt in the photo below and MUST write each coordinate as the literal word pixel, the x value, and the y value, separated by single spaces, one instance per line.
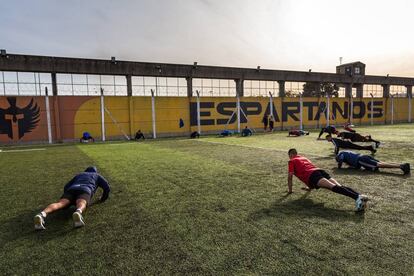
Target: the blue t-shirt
pixel 86 135
pixel 349 157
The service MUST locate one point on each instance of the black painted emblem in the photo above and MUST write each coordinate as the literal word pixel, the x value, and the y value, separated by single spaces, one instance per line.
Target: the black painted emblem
pixel 16 121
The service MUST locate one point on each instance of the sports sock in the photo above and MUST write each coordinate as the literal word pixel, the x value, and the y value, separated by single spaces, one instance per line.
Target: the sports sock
pixel 351 190
pixel 43 214
pixel 343 190
pixel 79 211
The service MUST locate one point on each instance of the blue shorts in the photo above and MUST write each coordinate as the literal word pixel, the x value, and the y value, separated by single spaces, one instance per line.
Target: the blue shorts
pixel 368 162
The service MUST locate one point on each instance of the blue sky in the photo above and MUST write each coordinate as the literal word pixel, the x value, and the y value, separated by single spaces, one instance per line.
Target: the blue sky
pixel 292 35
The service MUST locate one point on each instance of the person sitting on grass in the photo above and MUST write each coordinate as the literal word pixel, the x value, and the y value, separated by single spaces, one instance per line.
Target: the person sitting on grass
pixel 356 137
pixel 139 135
pixel 315 178
pixel 357 161
pixel 329 129
pixel 79 192
pixel 226 133
pixel 296 132
pixel 86 138
pixel 338 143
pixel 194 135
pixel 246 132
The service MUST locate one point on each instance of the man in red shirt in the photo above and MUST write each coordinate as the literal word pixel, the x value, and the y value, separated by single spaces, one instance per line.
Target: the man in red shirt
pixel 316 178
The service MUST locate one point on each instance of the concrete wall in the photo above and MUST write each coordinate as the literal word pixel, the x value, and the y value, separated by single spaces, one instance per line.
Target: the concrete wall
pixel 23 119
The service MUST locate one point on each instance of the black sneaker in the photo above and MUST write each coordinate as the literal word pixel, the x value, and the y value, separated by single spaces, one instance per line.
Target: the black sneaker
pixel 377 144
pixel 373 150
pixel 405 168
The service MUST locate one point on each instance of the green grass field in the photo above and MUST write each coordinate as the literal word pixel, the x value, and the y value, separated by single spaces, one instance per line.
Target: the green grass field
pixel 208 206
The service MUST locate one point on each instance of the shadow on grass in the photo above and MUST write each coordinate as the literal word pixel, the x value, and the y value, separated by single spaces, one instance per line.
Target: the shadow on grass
pixel 304 208
pixel 352 171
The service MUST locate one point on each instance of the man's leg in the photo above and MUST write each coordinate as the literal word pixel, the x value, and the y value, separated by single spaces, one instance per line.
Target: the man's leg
pixel 39 219
pixel 81 204
pixel 404 167
pixel 62 203
pixel 350 145
pixel 345 187
pixel 334 186
pixel 320 133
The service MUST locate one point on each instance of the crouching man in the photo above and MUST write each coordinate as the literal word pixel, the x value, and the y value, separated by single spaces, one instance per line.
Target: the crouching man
pixel 316 178
pixel 79 192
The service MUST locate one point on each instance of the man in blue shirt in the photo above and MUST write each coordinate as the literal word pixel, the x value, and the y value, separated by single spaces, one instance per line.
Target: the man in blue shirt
pixel 225 133
pixel 357 161
pixel 86 137
pixel 79 192
pixel 246 132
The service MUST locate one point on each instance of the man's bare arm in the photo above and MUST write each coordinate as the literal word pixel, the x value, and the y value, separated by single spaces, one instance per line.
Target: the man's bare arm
pixel 290 177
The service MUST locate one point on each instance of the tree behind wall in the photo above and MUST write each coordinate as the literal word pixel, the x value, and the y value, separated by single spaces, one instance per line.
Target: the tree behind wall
pixel 310 89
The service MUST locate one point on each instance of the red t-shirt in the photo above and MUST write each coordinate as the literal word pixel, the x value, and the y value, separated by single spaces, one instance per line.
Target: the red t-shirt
pixel 302 168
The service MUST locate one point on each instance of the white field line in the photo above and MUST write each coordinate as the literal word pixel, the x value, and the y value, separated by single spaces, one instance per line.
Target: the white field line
pixel 4 151
pixel 253 147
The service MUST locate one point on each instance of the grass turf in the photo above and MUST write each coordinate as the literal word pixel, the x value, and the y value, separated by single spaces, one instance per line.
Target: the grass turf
pixel 208 206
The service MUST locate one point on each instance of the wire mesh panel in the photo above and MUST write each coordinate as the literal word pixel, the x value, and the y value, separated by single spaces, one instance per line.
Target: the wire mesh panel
pixel 398 91
pixel 24 83
pixel 255 88
pixel 162 86
pixel 373 90
pixel 215 87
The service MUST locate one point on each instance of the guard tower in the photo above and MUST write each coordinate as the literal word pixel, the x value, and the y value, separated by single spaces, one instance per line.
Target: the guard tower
pixel 351 69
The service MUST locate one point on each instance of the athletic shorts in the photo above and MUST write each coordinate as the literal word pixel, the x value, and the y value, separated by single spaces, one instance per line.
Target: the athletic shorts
pixel 368 162
pixel 74 195
pixel 315 177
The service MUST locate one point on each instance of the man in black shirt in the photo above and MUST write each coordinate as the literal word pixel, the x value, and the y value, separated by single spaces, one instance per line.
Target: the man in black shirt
pixel 341 144
pixel 356 137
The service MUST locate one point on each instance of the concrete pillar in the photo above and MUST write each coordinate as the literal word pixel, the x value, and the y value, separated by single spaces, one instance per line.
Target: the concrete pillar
pixel 348 90
pixel 54 85
pixel 239 87
pixel 129 85
pixel 189 86
pixel 282 91
pixel 385 90
pixel 360 91
pixel 409 91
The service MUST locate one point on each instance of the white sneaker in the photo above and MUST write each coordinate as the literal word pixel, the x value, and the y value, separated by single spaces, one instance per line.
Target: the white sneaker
pixel 77 220
pixel 361 203
pixel 39 222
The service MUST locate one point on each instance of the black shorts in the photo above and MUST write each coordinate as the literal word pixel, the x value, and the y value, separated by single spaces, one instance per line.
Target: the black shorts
pixel 315 177
pixel 368 162
pixel 74 195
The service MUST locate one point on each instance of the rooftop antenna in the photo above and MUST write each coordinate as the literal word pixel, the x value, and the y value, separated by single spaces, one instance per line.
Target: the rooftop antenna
pixel 340 60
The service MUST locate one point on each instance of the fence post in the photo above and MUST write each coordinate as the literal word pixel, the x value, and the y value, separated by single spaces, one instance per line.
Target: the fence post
pixel 49 124
pixel 409 109
pixel 327 110
pixel 198 113
pixel 154 131
pixel 238 113
pixel 392 109
pixel 351 115
pixel 372 109
pixel 102 115
pixel 301 110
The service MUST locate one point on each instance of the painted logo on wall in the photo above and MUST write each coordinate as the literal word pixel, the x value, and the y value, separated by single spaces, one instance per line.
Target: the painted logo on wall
pixel 312 111
pixel 16 121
